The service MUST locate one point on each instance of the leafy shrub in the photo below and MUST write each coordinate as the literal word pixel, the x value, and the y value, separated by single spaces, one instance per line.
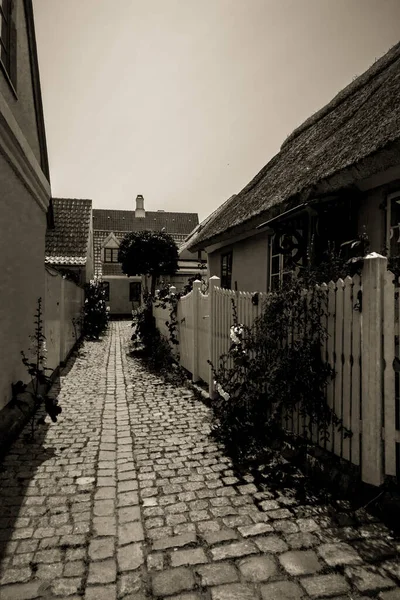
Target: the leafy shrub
pixel 95 317
pixel 276 366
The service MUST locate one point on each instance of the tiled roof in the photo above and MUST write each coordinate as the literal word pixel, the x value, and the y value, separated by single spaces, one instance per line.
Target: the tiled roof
pixel 125 220
pixel 67 243
pixel 359 127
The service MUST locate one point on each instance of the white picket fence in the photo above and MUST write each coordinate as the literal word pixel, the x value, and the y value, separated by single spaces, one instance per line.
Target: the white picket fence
pixel 362 318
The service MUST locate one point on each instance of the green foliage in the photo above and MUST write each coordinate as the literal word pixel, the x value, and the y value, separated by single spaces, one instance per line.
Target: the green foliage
pixel 95 315
pixel 148 253
pixel 35 363
pixel 276 366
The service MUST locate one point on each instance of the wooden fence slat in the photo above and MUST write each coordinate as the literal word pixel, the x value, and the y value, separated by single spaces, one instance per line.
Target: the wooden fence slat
pixel 355 374
pixel 330 394
pixel 346 388
pixel 338 398
pixel 389 397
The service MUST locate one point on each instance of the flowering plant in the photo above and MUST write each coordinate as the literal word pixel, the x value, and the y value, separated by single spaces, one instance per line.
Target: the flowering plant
pixel 35 362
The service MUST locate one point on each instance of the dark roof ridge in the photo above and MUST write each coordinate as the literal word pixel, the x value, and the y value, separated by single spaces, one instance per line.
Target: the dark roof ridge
pixel 373 71
pixel 63 198
pixel 160 212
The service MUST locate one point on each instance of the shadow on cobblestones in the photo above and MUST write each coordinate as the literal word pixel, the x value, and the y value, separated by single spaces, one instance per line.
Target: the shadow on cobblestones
pixel 18 468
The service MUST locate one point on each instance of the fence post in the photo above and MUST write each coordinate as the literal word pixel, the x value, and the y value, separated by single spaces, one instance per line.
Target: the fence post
pixel 373 274
pixel 213 282
pixel 195 315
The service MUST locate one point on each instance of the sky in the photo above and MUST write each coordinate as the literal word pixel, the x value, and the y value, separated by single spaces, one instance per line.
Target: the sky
pixel 184 101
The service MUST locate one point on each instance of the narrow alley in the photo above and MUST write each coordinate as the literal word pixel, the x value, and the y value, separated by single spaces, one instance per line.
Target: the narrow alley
pixel 128 497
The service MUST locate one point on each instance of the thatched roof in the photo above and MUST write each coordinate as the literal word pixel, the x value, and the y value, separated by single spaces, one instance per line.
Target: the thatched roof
pixel 360 121
pixel 195 234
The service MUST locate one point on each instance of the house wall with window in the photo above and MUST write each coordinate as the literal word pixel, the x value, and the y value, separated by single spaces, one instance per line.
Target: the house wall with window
pixel 379 216
pixel 24 193
pixel 249 263
pixel 124 294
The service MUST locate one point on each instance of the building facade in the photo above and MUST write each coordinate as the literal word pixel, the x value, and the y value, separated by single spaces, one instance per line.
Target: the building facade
pixel 109 228
pixel 25 195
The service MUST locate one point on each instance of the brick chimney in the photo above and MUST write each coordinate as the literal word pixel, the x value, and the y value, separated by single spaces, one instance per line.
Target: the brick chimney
pixel 139 211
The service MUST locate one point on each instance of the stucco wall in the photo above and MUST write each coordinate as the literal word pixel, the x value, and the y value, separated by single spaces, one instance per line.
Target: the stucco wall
pixel 23 228
pixel 63 303
pixel 249 263
pixel 119 302
pixel 22 106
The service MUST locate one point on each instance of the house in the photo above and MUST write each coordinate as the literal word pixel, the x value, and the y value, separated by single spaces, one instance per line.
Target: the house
pixel 69 245
pixel 336 176
pixel 25 195
pixel 110 226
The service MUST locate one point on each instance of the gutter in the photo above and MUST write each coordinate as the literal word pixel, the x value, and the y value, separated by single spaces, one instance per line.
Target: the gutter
pixel 283 215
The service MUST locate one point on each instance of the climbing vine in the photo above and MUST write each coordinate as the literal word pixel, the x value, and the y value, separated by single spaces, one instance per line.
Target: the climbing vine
pixel 276 368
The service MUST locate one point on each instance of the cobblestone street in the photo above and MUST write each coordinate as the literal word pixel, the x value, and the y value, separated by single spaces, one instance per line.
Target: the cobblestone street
pixel 127 497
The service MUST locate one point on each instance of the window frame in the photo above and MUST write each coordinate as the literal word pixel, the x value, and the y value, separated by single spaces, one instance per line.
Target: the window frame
pixel 132 285
pixel 282 271
pixel 112 251
pixel 226 278
pixel 389 226
pixel 8 66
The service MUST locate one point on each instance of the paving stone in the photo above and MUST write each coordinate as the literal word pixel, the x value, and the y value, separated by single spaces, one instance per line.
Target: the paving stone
pixel 235 550
pixel 67 586
pixel 300 562
pixel 104 526
pixel 216 537
pixel 104 571
pixel 22 591
pixel 130 532
pixel 324 586
pixel 217 574
pixel 338 554
pixel 155 561
pixel 128 514
pixel 105 592
pixel 270 543
pixel 192 556
pixel 301 540
pixel 257 529
pixel 176 541
pixel 258 568
pixel 130 585
pixel 172 581
pixel 130 557
pixel 282 590
pixel 368 579
pixel 233 591
pixel 390 595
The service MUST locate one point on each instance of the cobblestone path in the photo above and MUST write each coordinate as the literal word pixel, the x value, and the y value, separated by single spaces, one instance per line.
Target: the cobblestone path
pixel 127 497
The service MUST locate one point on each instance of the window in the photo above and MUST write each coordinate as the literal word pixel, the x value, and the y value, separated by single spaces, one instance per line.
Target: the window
pixel 393 224
pixel 279 269
pixel 135 291
pixel 111 255
pixel 7 42
pixel 106 288
pixel 226 270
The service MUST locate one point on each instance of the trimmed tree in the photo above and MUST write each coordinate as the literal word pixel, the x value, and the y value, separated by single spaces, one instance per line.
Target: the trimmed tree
pixel 148 253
